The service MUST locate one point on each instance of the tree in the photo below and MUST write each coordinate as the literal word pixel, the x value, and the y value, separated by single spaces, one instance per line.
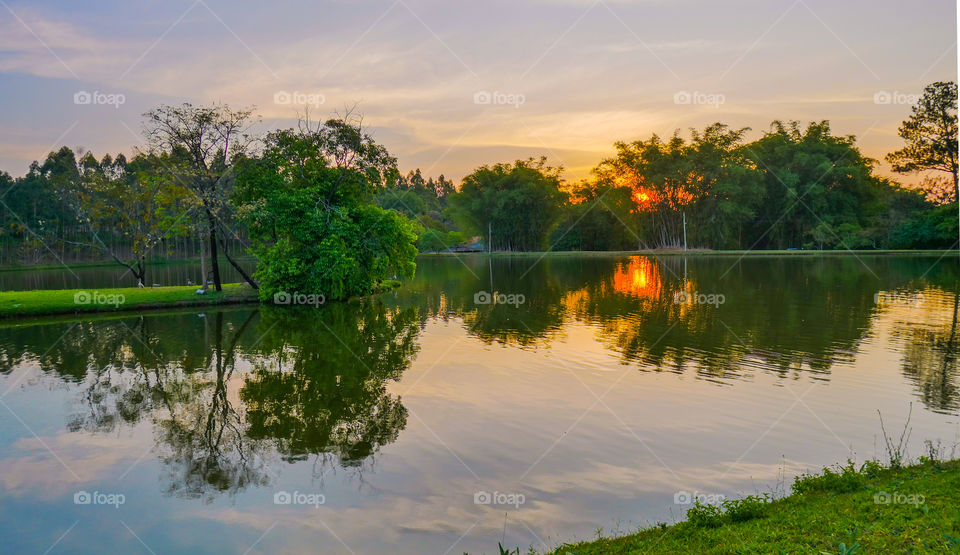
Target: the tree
pixel 308 202
pixel 518 204
pixel 129 201
pixel 931 135
pixel 708 181
pixel 819 189
pixel 202 143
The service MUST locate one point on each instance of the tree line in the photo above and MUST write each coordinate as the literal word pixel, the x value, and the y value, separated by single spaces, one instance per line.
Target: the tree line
pixel 322 207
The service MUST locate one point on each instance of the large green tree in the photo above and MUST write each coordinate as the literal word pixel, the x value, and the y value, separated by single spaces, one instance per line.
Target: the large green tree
pixel 200 144
pixel 308 202
pixel 515 205
pixel 653 186
pixel 931 135
pixel 819 189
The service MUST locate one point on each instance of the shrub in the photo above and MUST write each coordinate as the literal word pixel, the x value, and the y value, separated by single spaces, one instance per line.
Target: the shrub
pixel 705 515
pixel 748 508
pixel 846 479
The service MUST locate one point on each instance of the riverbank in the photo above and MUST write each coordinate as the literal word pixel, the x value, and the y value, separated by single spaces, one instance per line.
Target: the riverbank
pixel 21 304
pixel 14 304
pixel 880 510
pixel 693 252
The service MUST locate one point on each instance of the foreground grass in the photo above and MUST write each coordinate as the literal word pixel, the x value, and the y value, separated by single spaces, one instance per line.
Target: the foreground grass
pixel 66 301
pixel 839 511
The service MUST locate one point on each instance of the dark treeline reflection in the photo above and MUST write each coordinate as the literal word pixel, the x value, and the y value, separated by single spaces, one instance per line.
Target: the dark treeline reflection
pixel 780 314
pixel 230 391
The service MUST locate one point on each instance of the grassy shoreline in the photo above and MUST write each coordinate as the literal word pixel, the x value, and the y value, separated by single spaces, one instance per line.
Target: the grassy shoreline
pixel 870 509
pixel 16 304
pixel 61 302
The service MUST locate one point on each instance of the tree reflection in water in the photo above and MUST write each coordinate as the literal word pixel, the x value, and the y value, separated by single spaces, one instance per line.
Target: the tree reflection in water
pixel 233 393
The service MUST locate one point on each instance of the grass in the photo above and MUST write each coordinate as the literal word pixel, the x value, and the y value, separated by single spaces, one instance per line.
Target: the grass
pixel 15 304
pixel 870 509
pixel 67 301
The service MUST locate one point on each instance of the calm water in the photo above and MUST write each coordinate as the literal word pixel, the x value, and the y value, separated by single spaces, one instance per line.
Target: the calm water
pixel 615 389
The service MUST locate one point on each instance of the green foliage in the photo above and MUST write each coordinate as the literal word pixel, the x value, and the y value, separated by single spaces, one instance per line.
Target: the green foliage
pixel 748 508
pixel 844 479
pixel 705 515
pixel 817 521
pixel 307 201
pixel 517 203
pixel 432 240
pixel 931 134
pixel 819 190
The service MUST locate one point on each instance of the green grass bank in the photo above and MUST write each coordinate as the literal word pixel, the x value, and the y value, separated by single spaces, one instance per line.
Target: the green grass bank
pixel 870 509
pixel 18 304
pixel 15 304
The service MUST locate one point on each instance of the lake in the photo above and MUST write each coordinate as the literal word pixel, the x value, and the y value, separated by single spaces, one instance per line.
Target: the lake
pixel 524 400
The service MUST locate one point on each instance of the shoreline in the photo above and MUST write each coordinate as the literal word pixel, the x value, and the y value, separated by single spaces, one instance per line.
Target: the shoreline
pixel 873 509
pixel 17 305
pixel 54 302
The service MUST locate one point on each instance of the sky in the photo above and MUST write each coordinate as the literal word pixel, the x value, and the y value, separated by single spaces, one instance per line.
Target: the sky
pixel 448 86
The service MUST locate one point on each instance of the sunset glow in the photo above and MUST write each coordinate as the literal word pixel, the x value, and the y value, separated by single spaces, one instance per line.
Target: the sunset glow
pixel 639 277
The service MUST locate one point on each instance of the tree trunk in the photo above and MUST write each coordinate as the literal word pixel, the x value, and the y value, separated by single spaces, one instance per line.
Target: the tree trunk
pixel 214 264
pixel 203 262
pixel 226 252
pixel 956 188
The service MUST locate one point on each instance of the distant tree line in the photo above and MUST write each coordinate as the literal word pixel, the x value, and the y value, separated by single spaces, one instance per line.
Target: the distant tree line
pixel 323 207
